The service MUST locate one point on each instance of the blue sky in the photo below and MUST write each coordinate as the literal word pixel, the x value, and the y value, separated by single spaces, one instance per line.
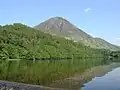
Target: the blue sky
pixel 97 17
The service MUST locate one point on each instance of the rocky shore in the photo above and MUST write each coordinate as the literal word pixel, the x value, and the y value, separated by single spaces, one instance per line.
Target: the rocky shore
pixel 5 85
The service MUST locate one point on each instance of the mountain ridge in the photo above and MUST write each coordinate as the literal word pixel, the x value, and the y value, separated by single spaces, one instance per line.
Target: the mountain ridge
pixel 61 27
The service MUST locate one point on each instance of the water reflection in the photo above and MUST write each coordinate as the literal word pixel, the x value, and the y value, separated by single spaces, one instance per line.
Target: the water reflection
pixel 110 81
pixel 77 81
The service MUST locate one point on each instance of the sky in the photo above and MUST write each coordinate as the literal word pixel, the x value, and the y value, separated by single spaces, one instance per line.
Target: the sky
pixel 99 18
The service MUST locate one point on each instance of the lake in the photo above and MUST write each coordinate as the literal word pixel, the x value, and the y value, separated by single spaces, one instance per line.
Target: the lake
pixel 110 81
pixel 88 74
pixel 98 78
pixel 105 77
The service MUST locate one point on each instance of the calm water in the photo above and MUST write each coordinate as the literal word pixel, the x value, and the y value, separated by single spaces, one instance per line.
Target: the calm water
pixel 106 77
pixel 110 81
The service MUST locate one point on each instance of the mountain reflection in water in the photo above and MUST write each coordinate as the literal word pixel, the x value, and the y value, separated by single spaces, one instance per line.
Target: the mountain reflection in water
pixel 110 81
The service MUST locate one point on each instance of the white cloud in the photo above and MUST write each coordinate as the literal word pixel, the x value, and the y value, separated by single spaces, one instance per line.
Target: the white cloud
pixel 87 9
pixel 118 38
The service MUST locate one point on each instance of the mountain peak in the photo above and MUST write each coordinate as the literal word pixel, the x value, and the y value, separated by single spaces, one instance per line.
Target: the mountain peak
pixel 58 23
pixel 58 18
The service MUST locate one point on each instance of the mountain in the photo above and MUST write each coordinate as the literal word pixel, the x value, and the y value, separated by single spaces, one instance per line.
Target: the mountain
pixel 62 27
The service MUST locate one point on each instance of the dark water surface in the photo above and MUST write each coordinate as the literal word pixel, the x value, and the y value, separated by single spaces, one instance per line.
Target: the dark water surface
pixel 110 81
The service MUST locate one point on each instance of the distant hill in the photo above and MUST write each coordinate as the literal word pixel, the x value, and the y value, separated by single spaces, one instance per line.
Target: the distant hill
pixel 61 27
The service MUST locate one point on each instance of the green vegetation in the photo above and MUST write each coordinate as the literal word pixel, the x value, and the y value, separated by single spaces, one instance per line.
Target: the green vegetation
pixel 18 41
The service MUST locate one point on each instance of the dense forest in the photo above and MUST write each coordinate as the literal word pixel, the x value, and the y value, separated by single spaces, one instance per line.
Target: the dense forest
pixel 19 41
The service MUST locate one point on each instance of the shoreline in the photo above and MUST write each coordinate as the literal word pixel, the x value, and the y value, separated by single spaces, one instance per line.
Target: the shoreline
pixel 7 85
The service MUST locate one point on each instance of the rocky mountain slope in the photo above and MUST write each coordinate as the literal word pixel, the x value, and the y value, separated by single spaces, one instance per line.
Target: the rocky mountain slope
pixel 61 27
